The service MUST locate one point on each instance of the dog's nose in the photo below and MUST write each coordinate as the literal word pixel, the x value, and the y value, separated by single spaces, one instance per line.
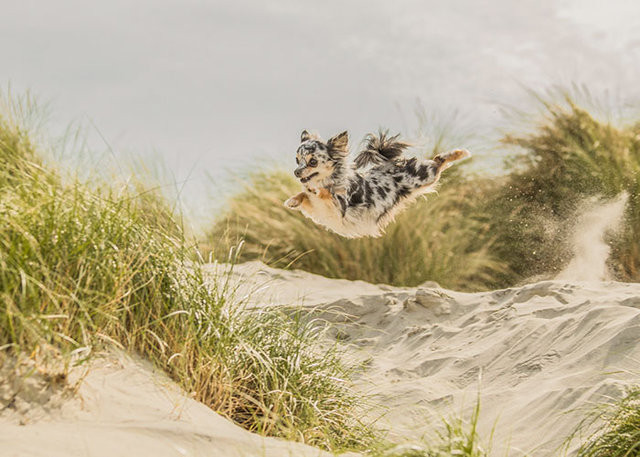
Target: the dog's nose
pixel 297 172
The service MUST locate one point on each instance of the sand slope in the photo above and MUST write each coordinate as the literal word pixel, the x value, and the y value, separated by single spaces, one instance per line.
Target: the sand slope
pixel 539 354
pixel 125 408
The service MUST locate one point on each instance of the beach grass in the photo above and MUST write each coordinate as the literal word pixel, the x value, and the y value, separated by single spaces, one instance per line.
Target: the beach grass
pixel 610 429
pixel 87 266
pixel 455 435
pixel 569 158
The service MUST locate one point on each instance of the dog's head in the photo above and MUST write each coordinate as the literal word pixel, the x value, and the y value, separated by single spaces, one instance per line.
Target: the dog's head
pixel 317 161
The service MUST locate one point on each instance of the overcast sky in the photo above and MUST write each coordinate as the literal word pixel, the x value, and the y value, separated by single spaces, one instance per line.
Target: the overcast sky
pixel 216 86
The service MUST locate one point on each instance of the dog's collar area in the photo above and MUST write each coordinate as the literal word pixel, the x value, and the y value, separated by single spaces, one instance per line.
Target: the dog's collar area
pixel 303 180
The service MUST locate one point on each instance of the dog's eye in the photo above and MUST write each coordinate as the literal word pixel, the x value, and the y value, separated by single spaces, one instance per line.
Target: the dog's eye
pixel 313 162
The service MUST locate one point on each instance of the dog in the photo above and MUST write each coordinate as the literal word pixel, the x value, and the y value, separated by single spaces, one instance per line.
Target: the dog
pixel 362 198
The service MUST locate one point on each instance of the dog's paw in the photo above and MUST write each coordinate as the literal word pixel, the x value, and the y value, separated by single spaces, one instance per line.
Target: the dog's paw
pixel 293 202
pixel 459 154
pixel 446 157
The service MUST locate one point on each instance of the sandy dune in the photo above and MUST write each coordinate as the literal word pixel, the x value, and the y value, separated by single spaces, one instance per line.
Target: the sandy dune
pixel 539 354
pixel 124 408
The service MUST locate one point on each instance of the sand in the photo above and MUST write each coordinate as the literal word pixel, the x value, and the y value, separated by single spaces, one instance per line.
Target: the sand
pixel 539 356
pixel 122 408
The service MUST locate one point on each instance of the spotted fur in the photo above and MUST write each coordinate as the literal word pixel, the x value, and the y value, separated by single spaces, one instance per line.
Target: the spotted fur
pixel 361 198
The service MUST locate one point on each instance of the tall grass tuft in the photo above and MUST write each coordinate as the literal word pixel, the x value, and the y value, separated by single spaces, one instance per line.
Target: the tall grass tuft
pixel 83 267
pixel 569 157
pixel 618 427
pixel 456 436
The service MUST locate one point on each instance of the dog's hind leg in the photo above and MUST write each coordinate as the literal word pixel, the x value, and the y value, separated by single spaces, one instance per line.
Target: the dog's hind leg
pixel 444 160
pixel 420 175
pixel 428 172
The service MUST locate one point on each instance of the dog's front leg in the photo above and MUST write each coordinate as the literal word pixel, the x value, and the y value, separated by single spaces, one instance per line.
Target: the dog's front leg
pixel 327 202
pixel 297 201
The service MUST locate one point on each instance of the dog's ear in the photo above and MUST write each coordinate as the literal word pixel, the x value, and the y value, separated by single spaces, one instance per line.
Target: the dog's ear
pixel 339 143
pixel 304 136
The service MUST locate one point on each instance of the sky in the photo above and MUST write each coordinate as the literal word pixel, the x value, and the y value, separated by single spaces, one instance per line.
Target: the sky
pixel 212 89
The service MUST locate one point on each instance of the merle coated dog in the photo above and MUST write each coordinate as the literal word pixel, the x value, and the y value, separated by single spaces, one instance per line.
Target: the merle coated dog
pixel 361 198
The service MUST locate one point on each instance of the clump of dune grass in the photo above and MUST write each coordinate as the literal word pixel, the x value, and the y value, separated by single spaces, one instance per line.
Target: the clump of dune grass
pixel 617 429
pixel 461 437
pixel 440 238
pixel 569 157
pixel 90 266
pixel 456 436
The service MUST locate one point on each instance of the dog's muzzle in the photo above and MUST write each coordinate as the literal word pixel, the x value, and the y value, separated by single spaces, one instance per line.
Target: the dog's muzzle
pixel 305 179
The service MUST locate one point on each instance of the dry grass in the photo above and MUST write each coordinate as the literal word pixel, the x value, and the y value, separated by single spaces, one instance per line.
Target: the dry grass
pixel 87 266
pixel 570 156
pixel 612 430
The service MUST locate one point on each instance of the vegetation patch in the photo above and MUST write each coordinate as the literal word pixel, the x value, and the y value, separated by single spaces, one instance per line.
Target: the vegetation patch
pixel 86 266
pixel 618 429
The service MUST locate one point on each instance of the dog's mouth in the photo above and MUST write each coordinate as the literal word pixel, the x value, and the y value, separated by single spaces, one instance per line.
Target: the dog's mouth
pixel 307 178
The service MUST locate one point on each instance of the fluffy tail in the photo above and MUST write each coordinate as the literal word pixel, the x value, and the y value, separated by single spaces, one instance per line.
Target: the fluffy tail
pixel 379 149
